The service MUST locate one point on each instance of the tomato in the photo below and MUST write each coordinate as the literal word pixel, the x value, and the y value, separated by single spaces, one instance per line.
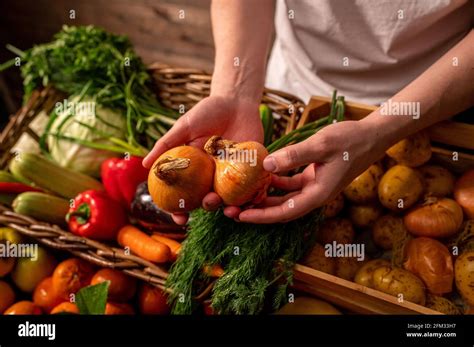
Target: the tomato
pixel 7 296
pixel 65 307
pixel 116 308
pixel 70 276
pixel 23 308
pixel 121 288
pixel 152 300
pixel 45 296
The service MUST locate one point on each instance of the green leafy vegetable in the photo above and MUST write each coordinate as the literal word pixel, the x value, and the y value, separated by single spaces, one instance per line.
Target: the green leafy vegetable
pixel 94 126
pixel 107 65
pixel 92 299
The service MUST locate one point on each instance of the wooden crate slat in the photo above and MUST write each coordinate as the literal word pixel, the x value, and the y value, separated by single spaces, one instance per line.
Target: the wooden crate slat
pixel 352 296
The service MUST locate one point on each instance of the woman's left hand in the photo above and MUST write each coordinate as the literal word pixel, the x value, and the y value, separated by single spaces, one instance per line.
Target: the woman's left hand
pixel 335 156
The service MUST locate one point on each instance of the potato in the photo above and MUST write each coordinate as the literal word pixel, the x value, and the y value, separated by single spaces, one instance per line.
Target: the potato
pixel 347 267
pixel 364 215
pixel 396 281
pixel 363 188
pixel 316 259
pixel 400 188
pixel 365 273
pixel 333 207
pixel 437 180
pixel 464 276
pixel 307 305
pixel 440 304
pixel 413 151
pixel 385 229
pixel 336 229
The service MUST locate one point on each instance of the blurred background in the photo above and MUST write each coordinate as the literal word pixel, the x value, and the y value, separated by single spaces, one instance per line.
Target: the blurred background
pixel 154 27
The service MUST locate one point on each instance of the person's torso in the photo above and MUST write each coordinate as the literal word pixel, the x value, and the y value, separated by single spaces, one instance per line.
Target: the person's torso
pixel 367 49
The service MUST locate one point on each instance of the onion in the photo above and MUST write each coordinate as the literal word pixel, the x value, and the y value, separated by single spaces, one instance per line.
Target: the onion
pixel 464 193
pixel 430 260
pixel 180 178
pixel 239 176
pixel 435 218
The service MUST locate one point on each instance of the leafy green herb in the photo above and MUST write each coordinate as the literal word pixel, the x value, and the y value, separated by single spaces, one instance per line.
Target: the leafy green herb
pixel 113 73
pixel 254 257
pixel 92 299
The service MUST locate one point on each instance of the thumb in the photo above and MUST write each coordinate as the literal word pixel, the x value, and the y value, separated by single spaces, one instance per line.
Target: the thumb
pixel 293 157
pixel 176 136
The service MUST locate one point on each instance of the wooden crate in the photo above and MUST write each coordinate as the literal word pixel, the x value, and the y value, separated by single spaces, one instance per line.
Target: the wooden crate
pixel 350 295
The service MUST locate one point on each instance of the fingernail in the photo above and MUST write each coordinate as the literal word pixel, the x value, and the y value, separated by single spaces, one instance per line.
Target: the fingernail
pixel 269 164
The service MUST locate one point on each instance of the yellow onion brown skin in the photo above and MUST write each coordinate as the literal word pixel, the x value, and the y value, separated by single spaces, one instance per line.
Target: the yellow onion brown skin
pixel 464 193
pixel 430 260
pixel 239 182
pixel 180 178
pixel 438 218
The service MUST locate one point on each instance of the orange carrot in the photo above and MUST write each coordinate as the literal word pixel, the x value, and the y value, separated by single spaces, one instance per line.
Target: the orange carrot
pixel 174 246
pixel 214 270
pixel 143 245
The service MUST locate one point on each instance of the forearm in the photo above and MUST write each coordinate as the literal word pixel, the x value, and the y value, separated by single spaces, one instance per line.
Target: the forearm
pixel 242 32
pixel 441 91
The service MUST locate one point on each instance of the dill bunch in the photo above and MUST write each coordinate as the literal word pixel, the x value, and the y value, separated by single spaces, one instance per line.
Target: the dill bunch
pixel 254 257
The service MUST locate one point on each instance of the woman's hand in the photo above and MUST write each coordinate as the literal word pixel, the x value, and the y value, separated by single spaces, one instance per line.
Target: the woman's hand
pixel 336 155
pixel 232 118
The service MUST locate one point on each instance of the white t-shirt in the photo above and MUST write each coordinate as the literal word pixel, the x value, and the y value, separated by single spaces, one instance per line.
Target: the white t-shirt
pixel 367 49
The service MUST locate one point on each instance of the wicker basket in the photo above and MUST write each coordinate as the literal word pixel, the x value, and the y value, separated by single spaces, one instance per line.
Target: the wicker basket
pixel 175 87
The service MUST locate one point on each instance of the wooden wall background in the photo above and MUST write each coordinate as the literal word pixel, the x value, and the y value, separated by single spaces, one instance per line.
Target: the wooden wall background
pixel 154 26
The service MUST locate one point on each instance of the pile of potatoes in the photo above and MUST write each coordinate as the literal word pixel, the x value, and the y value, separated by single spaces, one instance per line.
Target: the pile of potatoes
pixel 416 222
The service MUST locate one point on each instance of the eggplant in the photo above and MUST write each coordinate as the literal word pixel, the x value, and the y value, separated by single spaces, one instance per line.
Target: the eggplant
pixel 150 216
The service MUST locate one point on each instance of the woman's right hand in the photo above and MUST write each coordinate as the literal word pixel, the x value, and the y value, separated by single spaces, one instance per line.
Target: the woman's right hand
pixel 233 118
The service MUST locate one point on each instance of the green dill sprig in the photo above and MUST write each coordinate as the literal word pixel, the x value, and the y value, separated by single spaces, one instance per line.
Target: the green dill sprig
pixel 254 258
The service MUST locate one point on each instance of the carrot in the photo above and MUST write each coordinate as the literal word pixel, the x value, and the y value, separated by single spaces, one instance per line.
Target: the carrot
pixel 214 270
pixel 174 246
pixel 143 245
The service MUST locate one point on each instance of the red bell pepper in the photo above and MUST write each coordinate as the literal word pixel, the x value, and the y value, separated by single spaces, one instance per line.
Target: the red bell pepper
pixel 96 216
pixel 121 178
